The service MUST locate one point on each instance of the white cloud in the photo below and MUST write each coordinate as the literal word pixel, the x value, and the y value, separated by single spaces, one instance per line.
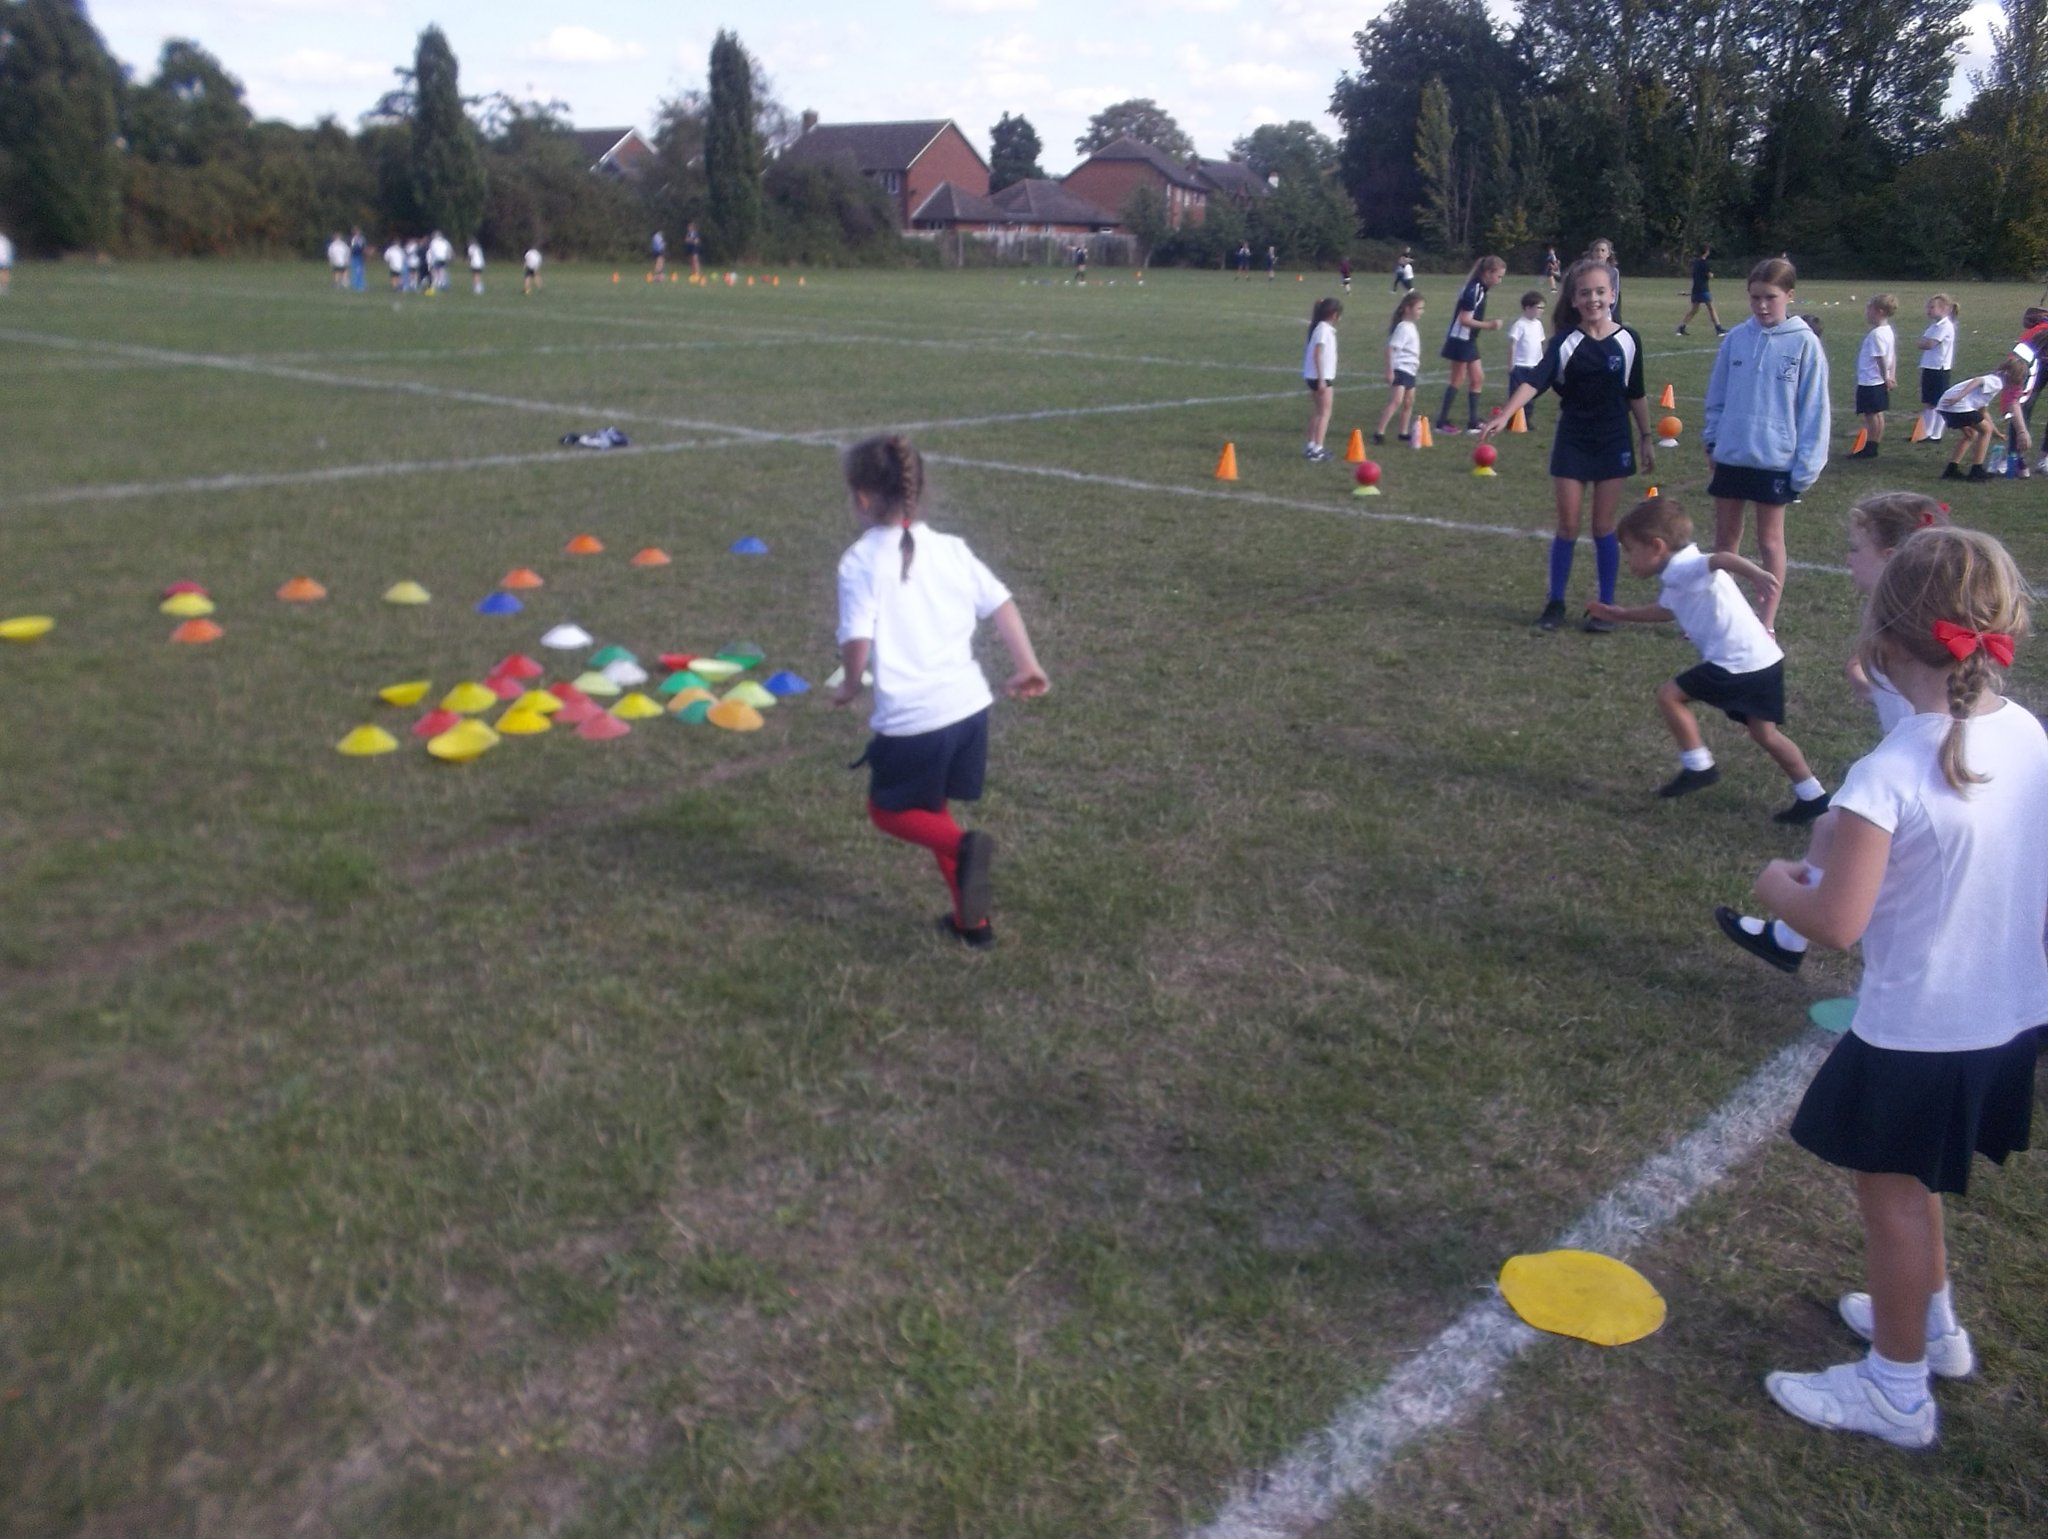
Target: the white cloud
pixel 323 66
pixel 981 7
pixel 581 45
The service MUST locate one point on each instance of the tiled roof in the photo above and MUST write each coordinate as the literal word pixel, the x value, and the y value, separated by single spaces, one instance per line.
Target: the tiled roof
pixel 1035 201
pixel 596 143
pixel 1128 148
pixel 871 146
pixel 957 205
pixel 1233 177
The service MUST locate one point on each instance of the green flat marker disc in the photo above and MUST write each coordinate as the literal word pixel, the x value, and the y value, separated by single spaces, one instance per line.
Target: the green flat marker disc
pixel 1832 1015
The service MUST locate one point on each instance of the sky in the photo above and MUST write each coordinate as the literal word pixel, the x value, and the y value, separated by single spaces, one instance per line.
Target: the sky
pixel 1221 67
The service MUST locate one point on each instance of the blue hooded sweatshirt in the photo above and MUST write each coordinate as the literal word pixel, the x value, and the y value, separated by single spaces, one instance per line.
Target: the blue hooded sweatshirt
pixel 1767 400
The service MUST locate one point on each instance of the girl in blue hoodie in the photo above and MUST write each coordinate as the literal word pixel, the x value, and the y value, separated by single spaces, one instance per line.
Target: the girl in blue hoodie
pixel 1767 421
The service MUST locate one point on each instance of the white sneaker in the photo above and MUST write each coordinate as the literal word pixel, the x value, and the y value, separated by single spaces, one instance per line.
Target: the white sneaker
pixel 1948 1357
pixel 1846 1399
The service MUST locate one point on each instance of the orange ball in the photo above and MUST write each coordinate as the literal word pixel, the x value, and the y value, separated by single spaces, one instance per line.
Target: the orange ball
pixel 1670 427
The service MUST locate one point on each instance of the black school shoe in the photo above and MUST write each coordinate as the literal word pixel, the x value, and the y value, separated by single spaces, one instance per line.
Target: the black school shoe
pixel 1552 616
pixel 981 939
pixel 1978 473
pixel 1763 944
pixel 1803 811
pixel 1687 781
pixel 1952 472
pixel 977 855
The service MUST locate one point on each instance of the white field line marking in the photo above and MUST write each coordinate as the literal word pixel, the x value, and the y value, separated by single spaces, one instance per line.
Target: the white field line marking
pixel 1458 1370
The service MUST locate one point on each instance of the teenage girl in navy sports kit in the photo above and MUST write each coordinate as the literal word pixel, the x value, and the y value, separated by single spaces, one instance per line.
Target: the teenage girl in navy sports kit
pixel 1596 368
pixel 1461 340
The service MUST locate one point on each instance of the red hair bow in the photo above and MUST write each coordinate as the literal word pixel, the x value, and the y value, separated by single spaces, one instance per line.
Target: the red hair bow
pixel 1961 641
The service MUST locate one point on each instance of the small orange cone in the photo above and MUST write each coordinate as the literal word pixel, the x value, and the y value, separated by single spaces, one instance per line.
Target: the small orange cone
pixel 1667 400
pixel 1354 452
pixel 1226 466
pixel 1862 438
pixel 650 557
pixel 196 632
pixel 1518 423
pixel 301 590
pixel 615 277
pixel 1422 437
pixel 1651 492
pixel 1919 428
pixel 584 545
pixel 521 577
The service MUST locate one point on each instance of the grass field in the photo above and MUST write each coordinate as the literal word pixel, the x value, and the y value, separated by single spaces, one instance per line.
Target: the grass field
pixel 594 1140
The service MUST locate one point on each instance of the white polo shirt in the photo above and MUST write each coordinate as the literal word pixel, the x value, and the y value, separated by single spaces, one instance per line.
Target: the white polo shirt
pixel 1877 360
pixel 1943 335
pixel 1526 338
pixel 1322 335
pixel 1715 617
pixel 1404 348
pixel 1952 957
pixel 921 626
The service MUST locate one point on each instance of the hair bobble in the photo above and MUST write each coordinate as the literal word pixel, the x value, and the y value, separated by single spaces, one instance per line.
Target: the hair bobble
pixel 1927 519
pixel 1961 641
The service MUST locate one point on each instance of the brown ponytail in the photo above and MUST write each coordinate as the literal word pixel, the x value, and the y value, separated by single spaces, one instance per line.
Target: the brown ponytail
pixel 891 472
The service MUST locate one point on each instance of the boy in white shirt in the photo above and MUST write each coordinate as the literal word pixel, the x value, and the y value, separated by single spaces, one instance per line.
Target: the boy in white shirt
pixel 1525 339
pixel 1877 372
pixel 337 260
pixel 1937 358
pixel 1742 668
pixel 476 265
pixel 532 269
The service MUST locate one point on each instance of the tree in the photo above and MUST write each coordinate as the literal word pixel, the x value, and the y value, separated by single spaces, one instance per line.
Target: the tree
pixel 191 113
pixel 1144 215
pixel 59 175
pixel 732 151
pixel 1140 118
pixel 1286 150
pixel 448 183
pixel 1445 213
pixel 1013 151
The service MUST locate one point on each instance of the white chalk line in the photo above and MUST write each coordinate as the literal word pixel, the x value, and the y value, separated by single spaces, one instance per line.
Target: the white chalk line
pixel 1458 1369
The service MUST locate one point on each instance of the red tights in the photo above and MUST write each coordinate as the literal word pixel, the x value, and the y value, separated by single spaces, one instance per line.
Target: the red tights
pixel 935 831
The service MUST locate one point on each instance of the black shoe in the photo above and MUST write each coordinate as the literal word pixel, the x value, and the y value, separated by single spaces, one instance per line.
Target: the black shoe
pixel 983 939
pixel 1978 473
pixel 1379 438
pixel 1680 332
pixel 1593 625
pixel 1951 472
pixel 1720 331
pixel 1552 616
pixel 1763 944
pixel 1803 810
pixel 977 854
pixel 1687 781
pixel 1867 452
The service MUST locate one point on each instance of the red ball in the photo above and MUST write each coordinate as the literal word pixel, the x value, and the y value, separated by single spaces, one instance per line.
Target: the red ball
pixel 1368 473
pixel 1485 454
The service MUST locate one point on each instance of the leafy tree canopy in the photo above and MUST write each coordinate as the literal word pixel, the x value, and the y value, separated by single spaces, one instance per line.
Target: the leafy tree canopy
pixel 1013 151
pixel 1140 118
pixel 1289 151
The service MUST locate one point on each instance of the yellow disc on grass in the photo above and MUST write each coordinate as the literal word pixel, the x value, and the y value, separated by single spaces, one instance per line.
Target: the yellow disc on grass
pixel 595 683
pixel 539 700
pixel 462 742
pixel 468 698
pixel 636 707
pixel 412 692
pixel 1583 1294
pixel 685 697
pixel 186 606
pixel 365 741
pixel 26 628
pixel 714 669
pixel 523 721
pixel 747 692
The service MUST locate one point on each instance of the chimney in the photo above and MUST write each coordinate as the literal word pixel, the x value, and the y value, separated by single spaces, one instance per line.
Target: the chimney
pixel 810 119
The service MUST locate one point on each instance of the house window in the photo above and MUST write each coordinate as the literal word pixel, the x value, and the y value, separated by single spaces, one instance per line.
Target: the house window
pixel 892 181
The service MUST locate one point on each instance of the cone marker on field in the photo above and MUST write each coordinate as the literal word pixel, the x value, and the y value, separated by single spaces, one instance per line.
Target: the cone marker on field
pixel 750 546
pixel 462 742
pixel 186 606
pixel 1919 429
pixel 1668 399
pixel 1354 451
pixel 26 628
pixel 787 684
pixel 1518 423
pixel 748 692
pixel 575 713
pixel 196 633
pixel 521 578
pixel 183 585
pixel 652 556
pixel 434 723
pixel 520 721
pixel 685 698
pixel 1862 438
pixel 499 604
pixel 469 697
pixel 602 727
pixel 406 593
pixel 411 692
pixel 671 661
pixel 605 656
pixel 1422 437
pixel 302 590
pixel 366 741
pixel 595 683
pixel 517 665
pixel 567 638
pixel 624 672
pixel 502 687
pixel 636 707
pixel 735 716
pixel 539 700
pixel 584 545
pixel 677 682
pixel 1226 464
pixel 1651 492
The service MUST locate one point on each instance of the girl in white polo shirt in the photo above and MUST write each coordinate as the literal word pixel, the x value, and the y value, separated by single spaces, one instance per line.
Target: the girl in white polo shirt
pixel 1939 867
pixel 909 601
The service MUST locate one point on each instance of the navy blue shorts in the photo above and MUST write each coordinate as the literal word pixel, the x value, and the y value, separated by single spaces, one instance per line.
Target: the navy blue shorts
pixel 1963 419
pixel 1873 398
pixel 1765 488
pixel 1466 351
pixel 1884 1111
pixel 1744 697
pixel 1519 375
pixel 1403 380
pixel 1702 297
pixel 1572 460
pixel 928 769
pixel 1933 385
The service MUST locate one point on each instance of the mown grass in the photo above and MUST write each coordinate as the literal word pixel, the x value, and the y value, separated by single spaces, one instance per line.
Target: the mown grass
pixel 592 1140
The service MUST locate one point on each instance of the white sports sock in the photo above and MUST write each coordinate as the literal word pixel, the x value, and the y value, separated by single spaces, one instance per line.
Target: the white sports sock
pixel 1786 936
pixel 1904 1384
pixel 1941 1313
pixel 1696 759
pixel 1806 790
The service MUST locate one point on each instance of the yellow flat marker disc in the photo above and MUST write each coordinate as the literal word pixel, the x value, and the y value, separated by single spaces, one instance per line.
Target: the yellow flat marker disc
pixel 463 742
pixel 468 698
pixel 636 707
pixel 186 606
pixel 1583 1294
pixel 595 683
pixel 26 628
pixel 412 692
pixel 522 721
pixel 684 697
pixel 539 700
pixel 713 669
pixel 365 742
pixel 734 716
pixel 747 692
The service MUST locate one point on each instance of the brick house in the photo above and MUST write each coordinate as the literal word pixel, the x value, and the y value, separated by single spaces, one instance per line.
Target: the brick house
pixel 614 151
pixel 1029 207
pixel 908 161
pixel 1109 177
pixel 1232 179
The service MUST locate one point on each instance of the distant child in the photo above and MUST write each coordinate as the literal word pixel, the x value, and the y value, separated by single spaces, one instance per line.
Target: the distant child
pixel 532 269
pixel 1081 264
pixel 337 259
pixel 2032 349
pixel 1937 358
pixel 1877 372
pixel 1596 367
pixel 1602 250
pixel 394 261
pixel 1703 294
pixel 657 247
pixel 1878 526
pixel 1344 273
pixel 1940 870
pixel 909 601
pixel 1551 267
pixel 1742 668
pixel 1404 271
pixel 1244 262
pixel 1967 407
pixel 476 265
pixel 1319 373
pixel 693 248
pixel 1404 362
pixel 1526 338
pixel 1272 262
pixel 1461 340
pixel 1766 430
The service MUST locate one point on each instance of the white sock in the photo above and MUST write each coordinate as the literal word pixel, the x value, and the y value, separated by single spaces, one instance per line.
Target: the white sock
pixel 1904 1384
pixel 1786 936
pixel 1806 790
pixel 1696 759
pixel 1941 1313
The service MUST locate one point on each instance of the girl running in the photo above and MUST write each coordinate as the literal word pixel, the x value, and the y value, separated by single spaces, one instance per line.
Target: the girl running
pixel 1596 368
pixel 1461 344
pixel 909 600
pixel 1404 362
pixel 1766 432
pixel 1940 869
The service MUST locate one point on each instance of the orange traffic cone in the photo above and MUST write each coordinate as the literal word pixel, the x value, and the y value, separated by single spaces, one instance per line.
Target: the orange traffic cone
pixel 1651 493
pixel 1862 438
pixel 1919 428
pixel 1518 423
pixel 1226 466
pixel 1422 437
pixel 615 277
pixel 1354 452
pixel 1667 400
